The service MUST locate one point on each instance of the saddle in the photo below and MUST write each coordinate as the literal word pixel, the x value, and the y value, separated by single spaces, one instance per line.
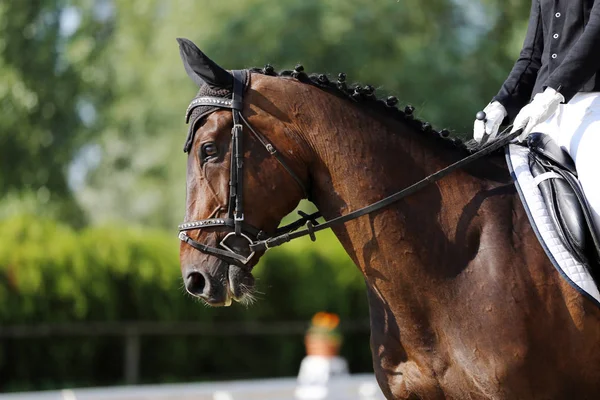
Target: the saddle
pixel 555 174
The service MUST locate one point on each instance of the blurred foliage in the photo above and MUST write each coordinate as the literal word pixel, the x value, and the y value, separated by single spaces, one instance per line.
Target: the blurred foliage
pixel 48 80
pixel 92 94
pixel 55 274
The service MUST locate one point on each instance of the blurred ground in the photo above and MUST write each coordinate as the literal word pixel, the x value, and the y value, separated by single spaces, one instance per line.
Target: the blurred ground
pixel 357 387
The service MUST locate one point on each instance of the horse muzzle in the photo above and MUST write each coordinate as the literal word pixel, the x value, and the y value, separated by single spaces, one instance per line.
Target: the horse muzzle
pixel 230 283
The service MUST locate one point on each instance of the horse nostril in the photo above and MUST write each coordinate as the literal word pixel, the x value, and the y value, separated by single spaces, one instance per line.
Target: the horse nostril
pixel 195 283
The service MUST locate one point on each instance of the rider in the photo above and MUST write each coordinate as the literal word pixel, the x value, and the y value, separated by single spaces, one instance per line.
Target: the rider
pixel 559 67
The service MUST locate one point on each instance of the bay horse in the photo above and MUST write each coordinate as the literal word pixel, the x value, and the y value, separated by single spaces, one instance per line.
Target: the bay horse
pixel 464 303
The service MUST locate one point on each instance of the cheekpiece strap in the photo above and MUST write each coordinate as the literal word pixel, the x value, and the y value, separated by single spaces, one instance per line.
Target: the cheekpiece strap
pixel 237 174
pixel 239 76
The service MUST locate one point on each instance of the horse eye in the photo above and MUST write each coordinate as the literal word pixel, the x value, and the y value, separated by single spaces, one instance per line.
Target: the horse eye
pixel 209 150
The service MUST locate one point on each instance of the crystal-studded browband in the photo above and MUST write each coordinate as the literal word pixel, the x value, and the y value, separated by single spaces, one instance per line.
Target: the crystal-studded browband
pixel 207 101
pixel 199 224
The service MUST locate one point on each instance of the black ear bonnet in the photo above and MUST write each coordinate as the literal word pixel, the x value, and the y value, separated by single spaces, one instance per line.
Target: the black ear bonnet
pixel 213 81
pixel 195 113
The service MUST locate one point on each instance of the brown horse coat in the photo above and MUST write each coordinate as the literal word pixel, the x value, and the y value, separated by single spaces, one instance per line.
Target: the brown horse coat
pixel 464 303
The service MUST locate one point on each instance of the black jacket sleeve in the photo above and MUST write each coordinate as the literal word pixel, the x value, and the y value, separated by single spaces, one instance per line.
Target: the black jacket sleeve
pixel 582 60
pixel 518 87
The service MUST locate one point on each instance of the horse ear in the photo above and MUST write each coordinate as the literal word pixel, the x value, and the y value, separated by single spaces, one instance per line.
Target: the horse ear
pixel 201 68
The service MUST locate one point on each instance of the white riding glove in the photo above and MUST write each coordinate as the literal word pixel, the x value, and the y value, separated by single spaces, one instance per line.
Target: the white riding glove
pixel 495 114
pixel 543 106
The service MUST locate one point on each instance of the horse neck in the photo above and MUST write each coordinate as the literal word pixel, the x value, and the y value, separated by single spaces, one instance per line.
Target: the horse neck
pixel 360 159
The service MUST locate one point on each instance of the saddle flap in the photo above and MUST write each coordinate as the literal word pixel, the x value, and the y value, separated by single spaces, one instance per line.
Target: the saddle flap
pixel 579 276
pixel 545 146
pixel 565 216
pixel 567 208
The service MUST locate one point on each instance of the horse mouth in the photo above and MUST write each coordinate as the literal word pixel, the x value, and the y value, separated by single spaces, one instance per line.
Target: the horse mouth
pixel 240 294
pixel 240 286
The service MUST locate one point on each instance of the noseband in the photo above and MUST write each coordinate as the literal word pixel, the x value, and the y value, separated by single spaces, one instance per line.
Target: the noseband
pixel 256 238
pixel 235 211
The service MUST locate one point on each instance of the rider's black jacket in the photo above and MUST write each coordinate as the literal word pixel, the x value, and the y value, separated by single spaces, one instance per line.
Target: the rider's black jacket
pixel 561 50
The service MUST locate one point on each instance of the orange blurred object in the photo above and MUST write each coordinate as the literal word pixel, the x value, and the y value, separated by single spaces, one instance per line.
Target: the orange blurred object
pixel 325 320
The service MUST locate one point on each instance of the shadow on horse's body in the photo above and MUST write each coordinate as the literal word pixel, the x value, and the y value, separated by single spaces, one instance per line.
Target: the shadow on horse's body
pixel 463 302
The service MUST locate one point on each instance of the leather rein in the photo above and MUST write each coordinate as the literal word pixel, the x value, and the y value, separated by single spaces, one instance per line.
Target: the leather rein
pixel 256 238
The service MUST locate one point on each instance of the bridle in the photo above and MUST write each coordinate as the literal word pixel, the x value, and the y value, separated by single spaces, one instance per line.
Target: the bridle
pixel 256 238
pixel 235 219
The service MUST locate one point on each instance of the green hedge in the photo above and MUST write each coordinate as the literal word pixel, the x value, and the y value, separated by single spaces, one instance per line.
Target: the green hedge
pixel 51 273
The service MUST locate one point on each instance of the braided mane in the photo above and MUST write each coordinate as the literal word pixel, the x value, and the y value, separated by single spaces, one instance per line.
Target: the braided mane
pixel 366 95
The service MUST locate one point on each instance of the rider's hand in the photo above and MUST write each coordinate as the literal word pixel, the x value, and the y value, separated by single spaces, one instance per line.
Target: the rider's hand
pixel 495 114
pixel 543 106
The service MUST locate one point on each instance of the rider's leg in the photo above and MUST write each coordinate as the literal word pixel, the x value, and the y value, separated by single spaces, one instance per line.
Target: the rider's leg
pixel 579 126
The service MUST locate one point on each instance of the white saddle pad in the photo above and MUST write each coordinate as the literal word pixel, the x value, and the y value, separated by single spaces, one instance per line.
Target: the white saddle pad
pixel 572 270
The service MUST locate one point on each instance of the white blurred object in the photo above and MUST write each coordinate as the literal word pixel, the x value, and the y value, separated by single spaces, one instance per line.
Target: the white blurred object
pixel 315 374
pixel 221 395
pixel 67 394
pixel 369 391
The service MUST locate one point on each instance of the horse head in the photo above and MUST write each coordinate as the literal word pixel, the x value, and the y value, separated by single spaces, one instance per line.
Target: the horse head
pixel 234 175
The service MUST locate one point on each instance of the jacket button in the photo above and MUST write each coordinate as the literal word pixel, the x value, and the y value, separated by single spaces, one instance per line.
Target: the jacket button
pixel 555 36
pixel 554 55
pixel 557 15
